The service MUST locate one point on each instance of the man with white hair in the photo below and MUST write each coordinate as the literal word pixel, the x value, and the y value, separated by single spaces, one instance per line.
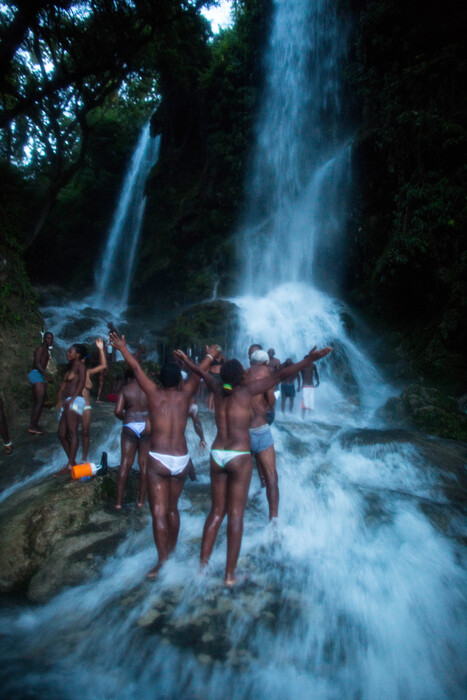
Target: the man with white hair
pixel 262 443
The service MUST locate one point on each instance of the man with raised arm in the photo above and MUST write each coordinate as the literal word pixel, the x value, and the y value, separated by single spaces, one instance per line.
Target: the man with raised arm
pixel 262 442
pixel 231 464
pixel 168 461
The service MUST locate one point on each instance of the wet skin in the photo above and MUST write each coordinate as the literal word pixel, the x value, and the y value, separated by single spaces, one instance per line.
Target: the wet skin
pixel 168 414
pixel 72 386
pixel 133 407
pixel 266 459
pixel 229 485
pixel 86 417
pixel 41 358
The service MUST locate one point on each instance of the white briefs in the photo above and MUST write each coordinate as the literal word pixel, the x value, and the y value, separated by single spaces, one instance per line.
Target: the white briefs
pixel 174 463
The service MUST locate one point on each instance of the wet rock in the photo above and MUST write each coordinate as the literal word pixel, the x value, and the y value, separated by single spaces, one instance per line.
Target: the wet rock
pixel 428 410
pixel 58 533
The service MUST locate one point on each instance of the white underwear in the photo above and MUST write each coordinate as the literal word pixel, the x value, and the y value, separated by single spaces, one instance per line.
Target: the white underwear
pixel 136 427
pixel 78 404
pixel 308 398
pixel 174 463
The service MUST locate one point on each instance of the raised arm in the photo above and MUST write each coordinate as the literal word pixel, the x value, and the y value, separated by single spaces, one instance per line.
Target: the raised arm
pixel 200 370
pixel 102 359
pixel 259 386
pixel 192 384
pixel 120 344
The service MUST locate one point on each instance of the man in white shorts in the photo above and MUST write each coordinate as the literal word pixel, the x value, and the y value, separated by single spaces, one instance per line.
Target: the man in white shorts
pixel 310 380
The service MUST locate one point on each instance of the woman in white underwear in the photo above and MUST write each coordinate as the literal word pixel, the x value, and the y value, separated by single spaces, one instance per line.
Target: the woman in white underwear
pixel 169 460
pixel 231 463
pixel 132 408
pixel 71 409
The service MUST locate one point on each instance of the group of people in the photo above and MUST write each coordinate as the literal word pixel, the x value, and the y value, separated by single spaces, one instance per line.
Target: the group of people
pixel 155 416
pixel 242 400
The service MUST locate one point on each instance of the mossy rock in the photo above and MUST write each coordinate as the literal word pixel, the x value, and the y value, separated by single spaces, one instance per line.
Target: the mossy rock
pixel 211 322
pixel 428 410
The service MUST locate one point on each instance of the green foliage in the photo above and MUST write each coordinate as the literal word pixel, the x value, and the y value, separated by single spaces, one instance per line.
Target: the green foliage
pixel 410 224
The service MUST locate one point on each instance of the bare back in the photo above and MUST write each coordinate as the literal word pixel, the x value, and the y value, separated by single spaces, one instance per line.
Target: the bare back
pixel 260 403
pixel 41 358
pixel 168 413
pixel 233 415
pixel 135 402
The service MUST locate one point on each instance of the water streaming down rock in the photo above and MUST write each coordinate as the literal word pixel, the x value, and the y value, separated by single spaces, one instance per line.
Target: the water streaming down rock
pixel 115 270
pixel 359 592
pixel 292 234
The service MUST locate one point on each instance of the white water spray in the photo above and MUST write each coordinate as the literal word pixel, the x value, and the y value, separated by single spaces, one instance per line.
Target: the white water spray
pixel 115 270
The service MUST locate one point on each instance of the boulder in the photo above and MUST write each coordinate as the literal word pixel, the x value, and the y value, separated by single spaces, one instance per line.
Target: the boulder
pixel 429 410
pixel 58 533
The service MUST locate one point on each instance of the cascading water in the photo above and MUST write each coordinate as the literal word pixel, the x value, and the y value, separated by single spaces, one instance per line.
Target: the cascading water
pixel 115 270
pixel 359 591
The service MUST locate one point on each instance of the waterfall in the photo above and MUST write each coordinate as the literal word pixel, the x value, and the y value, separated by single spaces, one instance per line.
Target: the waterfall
pixel 291 238
pixel 116 267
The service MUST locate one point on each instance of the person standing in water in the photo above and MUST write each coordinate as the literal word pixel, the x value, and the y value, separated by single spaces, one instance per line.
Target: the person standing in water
pixel 310 380
pixel 231 463
pixel 72 408
pixel 288 387
pixel 169 460
pixel 262 442
pixel 86 419
pixel 132 408
pixel 38 377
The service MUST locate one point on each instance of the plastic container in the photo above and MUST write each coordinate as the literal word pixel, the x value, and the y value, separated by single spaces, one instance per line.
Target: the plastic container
pixel 86 469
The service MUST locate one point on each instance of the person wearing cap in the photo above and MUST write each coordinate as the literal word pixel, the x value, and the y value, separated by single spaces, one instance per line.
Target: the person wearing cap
pixel 262 442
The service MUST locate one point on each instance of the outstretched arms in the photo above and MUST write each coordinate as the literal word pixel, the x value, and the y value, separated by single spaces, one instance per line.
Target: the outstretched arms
pixel 259 386
pixel 211 353
pixel 120 344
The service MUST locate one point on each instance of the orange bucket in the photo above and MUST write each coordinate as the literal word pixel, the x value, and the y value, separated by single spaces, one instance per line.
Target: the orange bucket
pixel 80 470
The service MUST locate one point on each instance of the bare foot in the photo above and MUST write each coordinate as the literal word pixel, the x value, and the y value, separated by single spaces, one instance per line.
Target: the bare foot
pixel 34 431
pixel 230 581
pixel 153 573
pixel 139 504
pixel 63 472
pixel 117 506
pixel 8 449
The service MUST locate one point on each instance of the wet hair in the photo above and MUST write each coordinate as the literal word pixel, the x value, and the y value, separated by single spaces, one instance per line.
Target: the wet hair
pixel 81 350
pixel 48 333
pixel 170 375
pixel 129 374
pixel 231 375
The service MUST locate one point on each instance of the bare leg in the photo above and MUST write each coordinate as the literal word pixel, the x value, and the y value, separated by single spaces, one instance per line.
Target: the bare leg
pixel 283 400
pixel 158 494
pixel 261 474
pixel 101 384
pixel 72 421
pixel 128 443
pixel 85 425
pixel 143 455
pixel 173 516
pixel 217 512
pixel 63 434
pixel 238 482
pixel 267 459
pixel 38 395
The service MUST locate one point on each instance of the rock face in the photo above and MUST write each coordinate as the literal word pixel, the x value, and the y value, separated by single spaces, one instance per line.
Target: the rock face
pixel 429 410
pixel 57 533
